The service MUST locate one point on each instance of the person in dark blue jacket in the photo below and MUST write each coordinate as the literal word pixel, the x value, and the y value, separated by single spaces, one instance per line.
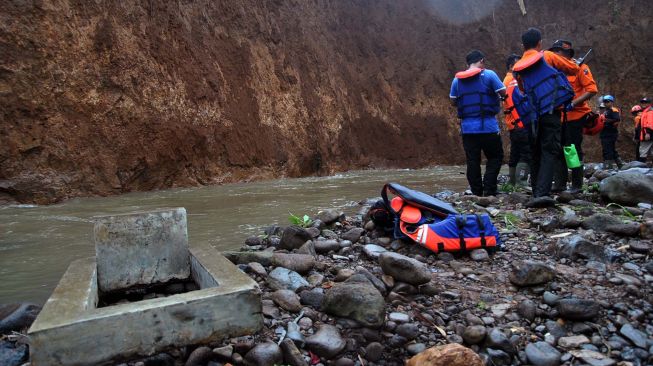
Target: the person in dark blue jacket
pixel 476 93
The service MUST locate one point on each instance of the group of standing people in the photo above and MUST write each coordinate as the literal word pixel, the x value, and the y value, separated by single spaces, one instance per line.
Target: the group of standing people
pixel 545 98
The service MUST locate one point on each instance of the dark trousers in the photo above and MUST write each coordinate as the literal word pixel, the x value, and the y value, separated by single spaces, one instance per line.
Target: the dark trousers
pixel 490 145
pixel 608 143
pixel 572 133
pixel 520 146
pixel 546 153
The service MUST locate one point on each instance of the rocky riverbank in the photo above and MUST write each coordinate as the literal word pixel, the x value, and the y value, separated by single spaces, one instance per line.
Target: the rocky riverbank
pixel 572 286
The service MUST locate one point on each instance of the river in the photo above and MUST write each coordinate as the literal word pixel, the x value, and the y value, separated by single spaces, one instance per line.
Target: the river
pixel 37 243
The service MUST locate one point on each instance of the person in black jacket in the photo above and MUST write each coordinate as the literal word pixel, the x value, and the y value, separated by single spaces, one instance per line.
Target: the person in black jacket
pixel 610 133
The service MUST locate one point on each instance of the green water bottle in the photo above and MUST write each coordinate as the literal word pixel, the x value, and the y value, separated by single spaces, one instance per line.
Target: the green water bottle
pixel 571 156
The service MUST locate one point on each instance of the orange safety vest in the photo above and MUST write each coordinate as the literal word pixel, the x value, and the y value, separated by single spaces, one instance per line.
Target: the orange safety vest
pixel 646 122
pixel 511 116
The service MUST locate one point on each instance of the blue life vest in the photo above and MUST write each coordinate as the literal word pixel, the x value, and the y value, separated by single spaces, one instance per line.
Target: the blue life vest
pixel 545 87
pixel 523 106
pixel 474 98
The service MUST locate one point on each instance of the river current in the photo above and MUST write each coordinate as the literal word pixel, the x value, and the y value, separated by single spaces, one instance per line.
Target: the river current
pixel 37 243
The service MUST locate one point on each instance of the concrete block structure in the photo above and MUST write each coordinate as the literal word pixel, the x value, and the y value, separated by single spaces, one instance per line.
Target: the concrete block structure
pixel 72 330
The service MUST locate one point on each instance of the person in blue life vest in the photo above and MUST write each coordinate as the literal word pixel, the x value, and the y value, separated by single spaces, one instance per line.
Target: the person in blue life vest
pixel 476 93
pixel 544 85
pixel 610 133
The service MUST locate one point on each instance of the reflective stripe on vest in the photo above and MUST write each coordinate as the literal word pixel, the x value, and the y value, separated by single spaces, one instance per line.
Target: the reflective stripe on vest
pixel 545 87
pixel 474 98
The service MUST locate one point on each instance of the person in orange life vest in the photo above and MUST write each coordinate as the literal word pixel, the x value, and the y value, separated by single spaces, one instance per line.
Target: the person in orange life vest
pixel 520 141
pixel 646 133
pixel 572 132
pixel 476 93
pixel 547 149
pixel 610 133
pixel 636 112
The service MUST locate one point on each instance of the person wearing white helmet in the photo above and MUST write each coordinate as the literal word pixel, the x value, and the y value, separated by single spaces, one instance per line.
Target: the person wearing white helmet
pixel 610 133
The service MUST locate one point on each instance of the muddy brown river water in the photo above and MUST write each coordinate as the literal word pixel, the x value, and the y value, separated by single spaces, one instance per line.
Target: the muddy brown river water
pixel 37 243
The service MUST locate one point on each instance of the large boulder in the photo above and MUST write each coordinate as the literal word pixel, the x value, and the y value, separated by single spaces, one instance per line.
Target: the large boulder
pixel 600 222
pixel 530 273
pixel 575 246
pixel 404 269
pixel 356 299
pixel 294 237
pixel 452 354
pixel 629 187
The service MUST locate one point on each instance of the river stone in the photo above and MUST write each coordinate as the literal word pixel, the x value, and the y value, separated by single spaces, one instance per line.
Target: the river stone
pixel 325 246
pixel 253 241
pixel 575 246
pixel 286 299
pixel 637 337
pixel 646 229
pixel 199 357
pixel 12 354
pixel 578 309
pixel 498 357
pixel 313 297
pixel 474 334
pixel 628 187
pixel 527 309
pixel 404 269
pixel 326 342
pixel 281 278
pixel 257 268
pixel 624 229
pixel 415 348
pixel 600 221
pixel 542 354
pixel 572 341
pixel 479 255
pixel 446 355
pixel 373 279
pixel 373 251
pixel 640 246
pixel 262 257
pixel 593 358
pixel 291 354
pixel 17 316
pixel 374 351
pixel 409 331
pixel 300 263
pixel 497 339
pixel 294 237
pixel 360 301
pixel 353 235
pixel 308 248
pixel 530 273
pixel 265 354
pixel 329 216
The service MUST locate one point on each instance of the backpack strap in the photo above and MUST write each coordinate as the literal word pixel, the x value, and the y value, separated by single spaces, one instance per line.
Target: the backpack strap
pixel 461 220
pixel 481 229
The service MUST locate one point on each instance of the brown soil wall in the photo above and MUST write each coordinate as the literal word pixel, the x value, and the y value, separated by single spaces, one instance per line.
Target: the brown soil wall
pixel 103 97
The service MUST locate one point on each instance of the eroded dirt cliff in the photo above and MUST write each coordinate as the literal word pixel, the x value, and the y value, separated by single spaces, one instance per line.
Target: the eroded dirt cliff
pixel 103 97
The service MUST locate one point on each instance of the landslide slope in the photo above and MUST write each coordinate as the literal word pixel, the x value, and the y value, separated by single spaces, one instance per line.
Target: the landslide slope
pixel 103 97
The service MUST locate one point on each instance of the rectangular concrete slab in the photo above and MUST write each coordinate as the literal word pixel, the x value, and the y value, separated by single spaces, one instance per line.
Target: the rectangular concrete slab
pixel 141 248
pixel 70 330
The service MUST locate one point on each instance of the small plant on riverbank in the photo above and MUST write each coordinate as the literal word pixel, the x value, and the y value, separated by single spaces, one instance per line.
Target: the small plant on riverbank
pixel 507 188
pixel 590 188
pixel 304 221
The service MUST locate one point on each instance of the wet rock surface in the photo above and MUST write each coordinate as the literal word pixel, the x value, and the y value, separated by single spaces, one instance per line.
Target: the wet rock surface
pixel 552 296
